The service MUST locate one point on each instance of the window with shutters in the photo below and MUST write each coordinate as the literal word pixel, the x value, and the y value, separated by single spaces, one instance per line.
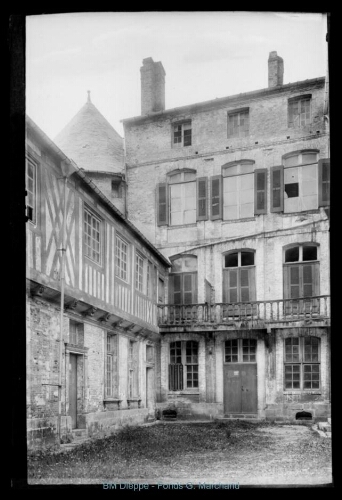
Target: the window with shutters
pixel 161 291
pixel 240 351
pixel 238 123
pixel 298 184
pixel 301 277
pixel 31 189
pixel 181 134
pixel 299 111
pixel 183 280
pixel 121 258
pixel 92 236
pixel 111 366
pixel 239 199
pixel 183 367
pixel 239 281
pixel 302 363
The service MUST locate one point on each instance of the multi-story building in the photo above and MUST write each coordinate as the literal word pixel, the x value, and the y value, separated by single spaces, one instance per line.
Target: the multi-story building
pixel 92 288
pixel 235 192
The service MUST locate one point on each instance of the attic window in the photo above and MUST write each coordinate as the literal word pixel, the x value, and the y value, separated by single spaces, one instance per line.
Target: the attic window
pixel 181 134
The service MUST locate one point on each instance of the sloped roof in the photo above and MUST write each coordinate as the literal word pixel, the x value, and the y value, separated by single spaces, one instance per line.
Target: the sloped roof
pixel 91 141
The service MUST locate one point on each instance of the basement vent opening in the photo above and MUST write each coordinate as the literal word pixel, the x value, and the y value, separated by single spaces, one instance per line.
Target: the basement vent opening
pixel 288 137
pixel 256 142
pixel 227 147
pixel 169 414
pixel 318 132
pixel 303 415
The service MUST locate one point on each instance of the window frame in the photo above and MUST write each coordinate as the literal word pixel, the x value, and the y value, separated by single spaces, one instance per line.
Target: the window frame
pixel 301 362
pixel 238 112
pixel 300 263
pixel 112 356
pixel 239 346
pixel 188 368
pixel 139 266
pixel 34 164
pixel 133 370
pixel 185 126
pixel 96 217
pixel 251 268
pixel 79 333
pixel 298 100
pixel 242 168
pixel 118 260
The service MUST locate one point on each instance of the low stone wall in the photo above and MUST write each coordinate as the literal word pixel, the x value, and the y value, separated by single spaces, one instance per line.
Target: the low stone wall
pixel 287 412
pixel 101 424
pixel 187 410
pixel 42 432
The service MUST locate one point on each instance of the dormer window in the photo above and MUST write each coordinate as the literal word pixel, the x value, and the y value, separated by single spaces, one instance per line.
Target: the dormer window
pixel 181 134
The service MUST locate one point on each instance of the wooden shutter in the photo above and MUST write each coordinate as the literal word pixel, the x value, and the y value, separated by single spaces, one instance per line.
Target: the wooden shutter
pixel 202 198
pixel 216 197
pixel 175 289
pixel 277 189
pixel 324 183
pixel 162 205
pixel 233 295
pixel 190 288
pixel 260 191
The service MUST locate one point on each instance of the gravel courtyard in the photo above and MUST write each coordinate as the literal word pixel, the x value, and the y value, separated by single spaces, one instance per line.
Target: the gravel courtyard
pixel 177 453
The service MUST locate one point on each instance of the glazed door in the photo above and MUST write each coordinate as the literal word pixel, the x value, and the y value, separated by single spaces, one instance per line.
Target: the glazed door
pixel 240 388
pixel 73 389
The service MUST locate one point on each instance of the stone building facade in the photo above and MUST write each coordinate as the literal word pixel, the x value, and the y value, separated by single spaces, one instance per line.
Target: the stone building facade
pixel 235 191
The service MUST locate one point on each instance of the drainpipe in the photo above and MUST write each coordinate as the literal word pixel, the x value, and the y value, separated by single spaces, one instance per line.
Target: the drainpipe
pixel 67 170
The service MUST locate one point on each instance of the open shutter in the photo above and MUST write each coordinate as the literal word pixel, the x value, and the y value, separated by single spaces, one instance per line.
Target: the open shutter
pixel 260 191
pixel 162 205
pixel 277 189
pixel 175 292
pixel 216 197
pixel 244 285
pixel 324 183
pixel 202 198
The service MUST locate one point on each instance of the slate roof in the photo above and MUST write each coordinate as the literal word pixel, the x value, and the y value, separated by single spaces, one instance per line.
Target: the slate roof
pixel 91 141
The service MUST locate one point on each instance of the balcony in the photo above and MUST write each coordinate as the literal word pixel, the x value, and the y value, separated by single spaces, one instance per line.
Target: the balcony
pixel 259 314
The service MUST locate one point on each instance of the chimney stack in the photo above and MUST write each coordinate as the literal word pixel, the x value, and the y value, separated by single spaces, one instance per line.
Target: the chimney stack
pixel 152 86
pixel 275 70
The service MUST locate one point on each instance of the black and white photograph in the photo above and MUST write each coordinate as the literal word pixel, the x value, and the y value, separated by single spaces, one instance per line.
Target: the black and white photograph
pixel 177 215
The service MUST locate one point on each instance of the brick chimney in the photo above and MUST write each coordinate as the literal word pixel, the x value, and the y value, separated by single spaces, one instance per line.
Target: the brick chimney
pixel 275 70
pixel 152 86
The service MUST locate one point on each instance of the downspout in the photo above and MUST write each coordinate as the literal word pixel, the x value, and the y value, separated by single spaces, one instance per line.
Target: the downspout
pixel 67 170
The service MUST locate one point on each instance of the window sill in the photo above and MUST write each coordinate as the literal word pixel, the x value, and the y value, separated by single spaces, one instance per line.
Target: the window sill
pixel 193 224
pixel 184 393
pixel 112 400
pixel 295 392
pixel 246 219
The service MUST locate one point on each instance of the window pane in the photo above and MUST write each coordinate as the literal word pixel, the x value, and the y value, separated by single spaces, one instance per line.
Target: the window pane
pixel 247 258
pixel 309 253
pixel 231 260
pixel 292 254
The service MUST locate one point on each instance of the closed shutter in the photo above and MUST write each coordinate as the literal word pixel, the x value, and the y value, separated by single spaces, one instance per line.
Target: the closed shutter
pixel 187 288
pixel 294 282
pixel 162 205
pixel 277 189
pixel 202 198
pixel 244 285
pixel 233 295
pixel 216 197
pixel 324 183
pixel 260 191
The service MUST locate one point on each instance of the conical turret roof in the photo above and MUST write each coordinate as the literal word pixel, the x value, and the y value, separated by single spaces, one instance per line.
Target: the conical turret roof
pixel 91 141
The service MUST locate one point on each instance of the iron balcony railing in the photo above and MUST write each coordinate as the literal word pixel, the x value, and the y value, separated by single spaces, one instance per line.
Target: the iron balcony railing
pixel 264 311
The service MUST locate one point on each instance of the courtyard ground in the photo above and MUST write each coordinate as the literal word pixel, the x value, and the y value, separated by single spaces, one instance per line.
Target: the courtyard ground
pixel 175 453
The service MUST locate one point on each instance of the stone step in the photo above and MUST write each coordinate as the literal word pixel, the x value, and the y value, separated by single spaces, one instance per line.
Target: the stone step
pixel 324 426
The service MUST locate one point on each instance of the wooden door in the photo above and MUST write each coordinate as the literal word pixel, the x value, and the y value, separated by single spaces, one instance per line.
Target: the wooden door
pixel 73 389
pixel 240 388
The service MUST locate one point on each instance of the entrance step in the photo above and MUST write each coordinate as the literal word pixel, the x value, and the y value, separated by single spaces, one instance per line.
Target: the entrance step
pixel 241 416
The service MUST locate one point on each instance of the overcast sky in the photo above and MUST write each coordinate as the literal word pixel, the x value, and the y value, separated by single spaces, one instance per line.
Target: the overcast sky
pixel 205 55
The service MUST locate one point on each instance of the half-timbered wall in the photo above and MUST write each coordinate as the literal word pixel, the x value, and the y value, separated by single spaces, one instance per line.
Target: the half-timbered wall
pixel 93 282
